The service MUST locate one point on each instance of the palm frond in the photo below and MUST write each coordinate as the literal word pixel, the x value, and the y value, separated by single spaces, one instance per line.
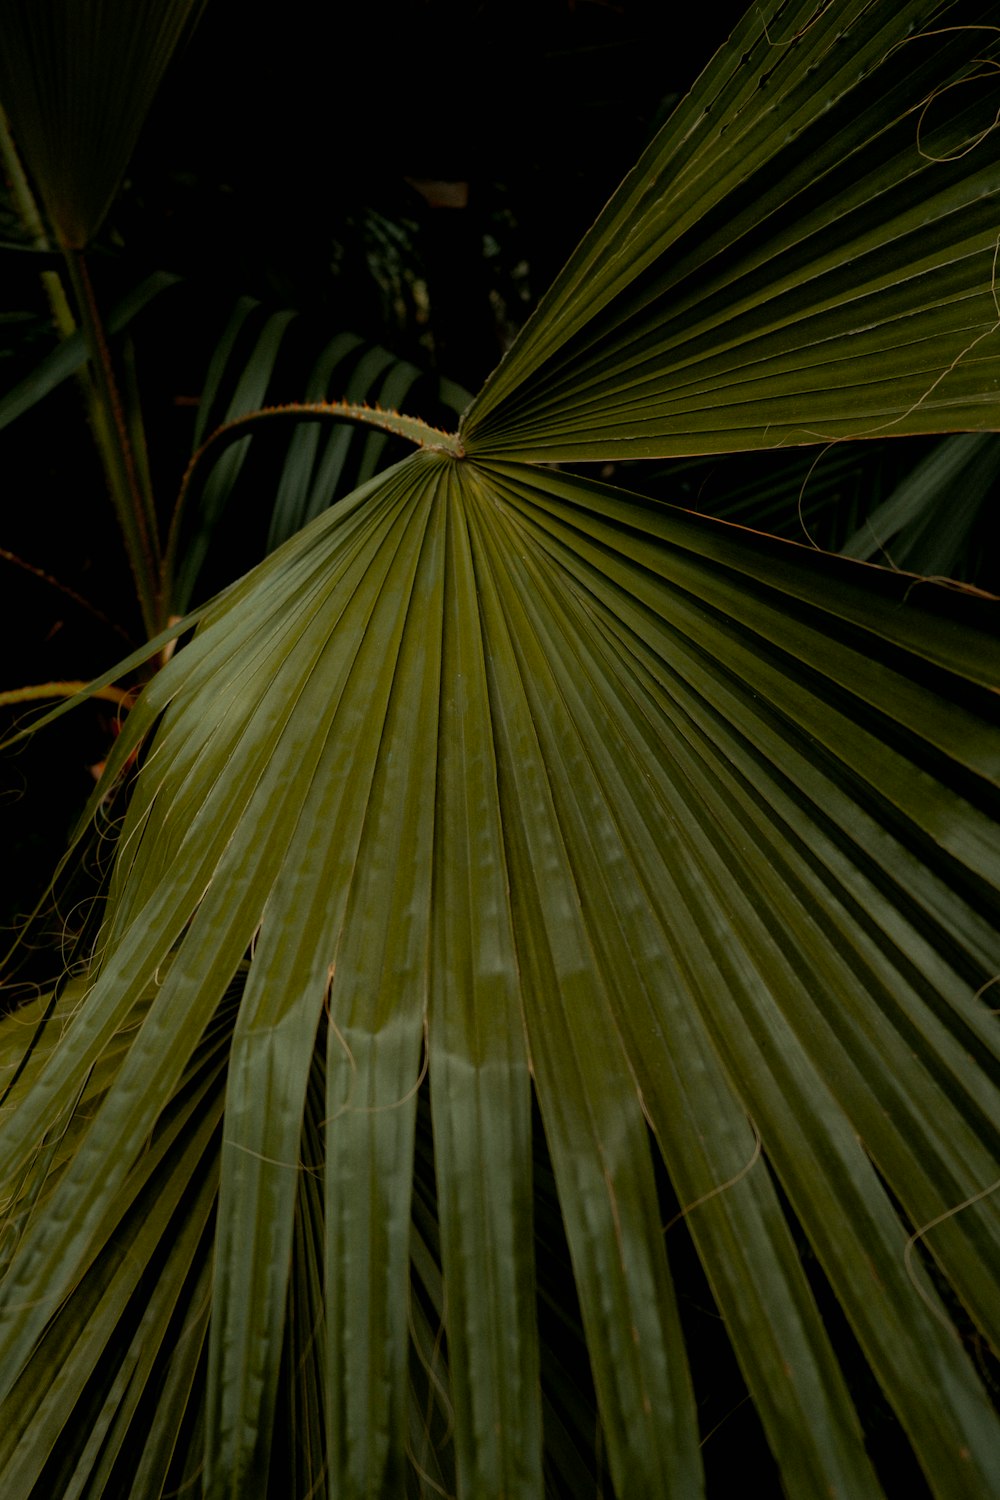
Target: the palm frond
pixel 495 788
pixel 806 252
pixel 77 83
pixel 689 868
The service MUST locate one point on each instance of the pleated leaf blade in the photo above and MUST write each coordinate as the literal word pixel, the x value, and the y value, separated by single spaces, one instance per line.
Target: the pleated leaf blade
pixel 805 253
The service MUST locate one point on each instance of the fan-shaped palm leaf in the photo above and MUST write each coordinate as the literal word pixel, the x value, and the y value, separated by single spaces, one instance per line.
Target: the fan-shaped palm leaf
pixel 77 82
pixel 511 776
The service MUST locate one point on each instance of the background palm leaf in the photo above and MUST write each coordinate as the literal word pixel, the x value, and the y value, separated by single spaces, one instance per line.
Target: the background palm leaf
pixel 923 505
pixel 315 465
pixel 556 792
pixel 931 521
pixel 77 85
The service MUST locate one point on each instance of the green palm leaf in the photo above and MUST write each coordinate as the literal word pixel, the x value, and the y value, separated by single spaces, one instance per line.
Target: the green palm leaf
pixel 545 791
pixel 929 521
pixel 77 82
pixel 806 251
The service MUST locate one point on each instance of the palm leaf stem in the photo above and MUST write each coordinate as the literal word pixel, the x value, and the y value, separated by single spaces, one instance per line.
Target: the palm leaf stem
pixel 78 599
pixel 132 501
pixel 28 211
pixel 357 413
